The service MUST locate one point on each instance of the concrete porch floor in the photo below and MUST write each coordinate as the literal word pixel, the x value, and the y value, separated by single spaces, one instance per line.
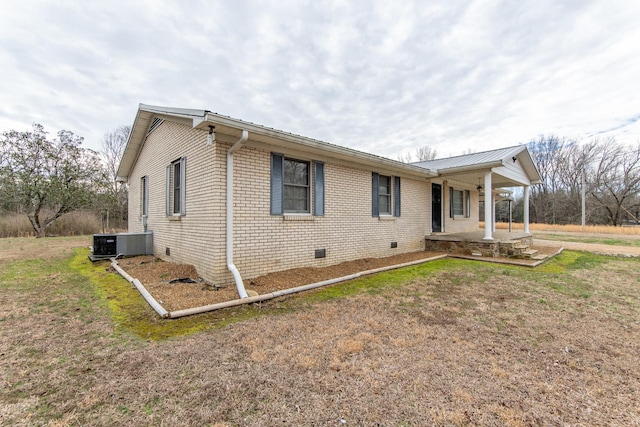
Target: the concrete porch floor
pixel 478 236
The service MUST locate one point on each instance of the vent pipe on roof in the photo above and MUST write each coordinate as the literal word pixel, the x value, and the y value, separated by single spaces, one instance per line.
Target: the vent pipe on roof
pixel 230 265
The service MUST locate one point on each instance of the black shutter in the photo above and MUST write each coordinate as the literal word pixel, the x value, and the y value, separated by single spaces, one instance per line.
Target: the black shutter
pixel 450 202
pixel 375 195
pixel 183 186
pixel 167 204
pixel 318 189
pixel 277 184
pixel 396 205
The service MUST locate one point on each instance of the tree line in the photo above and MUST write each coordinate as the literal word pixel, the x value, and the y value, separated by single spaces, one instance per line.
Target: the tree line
pixel 45 178
pixel 610 172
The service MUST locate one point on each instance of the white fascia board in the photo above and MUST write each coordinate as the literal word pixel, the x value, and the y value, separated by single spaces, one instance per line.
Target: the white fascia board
pixel 487 166
pixel 282 139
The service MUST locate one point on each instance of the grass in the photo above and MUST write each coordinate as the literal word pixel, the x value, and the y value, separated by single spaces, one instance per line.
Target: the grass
pixel 620 241
pixel 449 342
pixel 131 313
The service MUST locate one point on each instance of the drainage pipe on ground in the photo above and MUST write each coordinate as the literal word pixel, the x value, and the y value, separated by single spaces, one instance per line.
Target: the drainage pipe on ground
pixel 275 294
pixel 145 294
pixel 230 265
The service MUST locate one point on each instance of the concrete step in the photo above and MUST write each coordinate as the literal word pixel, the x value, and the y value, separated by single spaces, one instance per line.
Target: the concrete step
pixel 521 247
pixel 539 257
pixel 529 253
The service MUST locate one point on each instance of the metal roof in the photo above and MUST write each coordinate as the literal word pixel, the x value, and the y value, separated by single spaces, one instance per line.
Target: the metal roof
pixel 467 167
pixel 477 159
pixel 484 161
pixel 201 119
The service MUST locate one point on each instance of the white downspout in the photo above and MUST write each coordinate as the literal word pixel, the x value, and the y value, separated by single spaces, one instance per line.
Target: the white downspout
pixel 230 265
pixel 488 202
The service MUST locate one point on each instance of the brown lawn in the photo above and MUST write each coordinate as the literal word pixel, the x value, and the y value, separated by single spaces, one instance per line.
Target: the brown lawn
pixel 458 343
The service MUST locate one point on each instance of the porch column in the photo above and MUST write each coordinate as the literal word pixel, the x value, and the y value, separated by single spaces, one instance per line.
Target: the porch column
pixel 526 209
pixel 488 209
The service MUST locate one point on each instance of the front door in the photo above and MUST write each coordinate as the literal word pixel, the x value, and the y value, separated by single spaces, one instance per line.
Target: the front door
pixel 436 208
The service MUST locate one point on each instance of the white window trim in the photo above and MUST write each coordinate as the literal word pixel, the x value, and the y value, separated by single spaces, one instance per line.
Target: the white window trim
pixel 170 193
pixel 308 187
pixel 389 195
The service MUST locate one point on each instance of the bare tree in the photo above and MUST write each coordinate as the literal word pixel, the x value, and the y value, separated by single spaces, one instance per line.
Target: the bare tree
pixel 405 158
pixel 617 180
pixel 426 153
pixel 113 144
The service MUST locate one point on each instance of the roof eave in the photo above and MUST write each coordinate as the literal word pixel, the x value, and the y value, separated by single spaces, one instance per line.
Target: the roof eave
pixel 284 139
pixel 201 119
pixel 470 168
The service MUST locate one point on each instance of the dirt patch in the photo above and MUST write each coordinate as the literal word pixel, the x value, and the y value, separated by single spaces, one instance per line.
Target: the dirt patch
pixel 162 279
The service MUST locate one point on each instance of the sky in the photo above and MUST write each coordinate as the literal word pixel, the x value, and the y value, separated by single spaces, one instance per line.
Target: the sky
pixel 378 76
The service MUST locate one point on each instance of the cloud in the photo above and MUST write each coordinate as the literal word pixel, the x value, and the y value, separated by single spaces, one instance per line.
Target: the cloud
pixel 380 77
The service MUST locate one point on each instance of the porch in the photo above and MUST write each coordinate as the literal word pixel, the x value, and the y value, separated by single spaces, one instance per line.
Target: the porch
pixel 515 244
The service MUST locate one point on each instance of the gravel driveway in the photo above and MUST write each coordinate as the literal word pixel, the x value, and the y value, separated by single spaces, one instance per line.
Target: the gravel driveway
pixel 629 251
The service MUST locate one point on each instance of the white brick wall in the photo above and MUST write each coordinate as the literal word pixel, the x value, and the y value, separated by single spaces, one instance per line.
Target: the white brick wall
pixel 459 225
pixel 264 243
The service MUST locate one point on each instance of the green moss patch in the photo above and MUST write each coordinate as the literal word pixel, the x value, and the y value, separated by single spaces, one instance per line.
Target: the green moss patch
pixel 131 313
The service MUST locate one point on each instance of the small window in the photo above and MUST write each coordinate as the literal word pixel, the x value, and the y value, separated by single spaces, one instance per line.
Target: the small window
pixel 459 203
pixel 144 196
pixel 384 194
pixel 296 186
pixel 176 188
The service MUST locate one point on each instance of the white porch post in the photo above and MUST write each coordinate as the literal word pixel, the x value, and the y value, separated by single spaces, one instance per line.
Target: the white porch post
pixel 526 209
pixel 488 209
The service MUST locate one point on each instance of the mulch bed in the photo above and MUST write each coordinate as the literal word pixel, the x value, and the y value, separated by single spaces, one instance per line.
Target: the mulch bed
pixel 156 276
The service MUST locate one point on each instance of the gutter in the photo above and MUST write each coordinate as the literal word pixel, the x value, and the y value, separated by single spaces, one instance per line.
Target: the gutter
pixel 230 265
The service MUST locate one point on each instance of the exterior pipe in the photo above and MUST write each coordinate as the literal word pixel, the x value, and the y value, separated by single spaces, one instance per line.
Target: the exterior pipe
pixel 275 294
pixel 145 294
pixel 230 265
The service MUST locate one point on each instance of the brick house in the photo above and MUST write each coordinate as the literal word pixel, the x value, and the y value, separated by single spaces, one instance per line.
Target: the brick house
pixel 295 201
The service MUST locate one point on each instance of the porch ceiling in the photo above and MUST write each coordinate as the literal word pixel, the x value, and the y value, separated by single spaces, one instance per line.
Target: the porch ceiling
pixel 477 178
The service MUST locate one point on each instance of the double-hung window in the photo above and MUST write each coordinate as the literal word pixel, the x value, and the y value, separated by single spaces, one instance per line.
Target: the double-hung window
pixel 144 196
pixel 297 186
pixel 385 195
pixel 176 188
pixel 459 203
